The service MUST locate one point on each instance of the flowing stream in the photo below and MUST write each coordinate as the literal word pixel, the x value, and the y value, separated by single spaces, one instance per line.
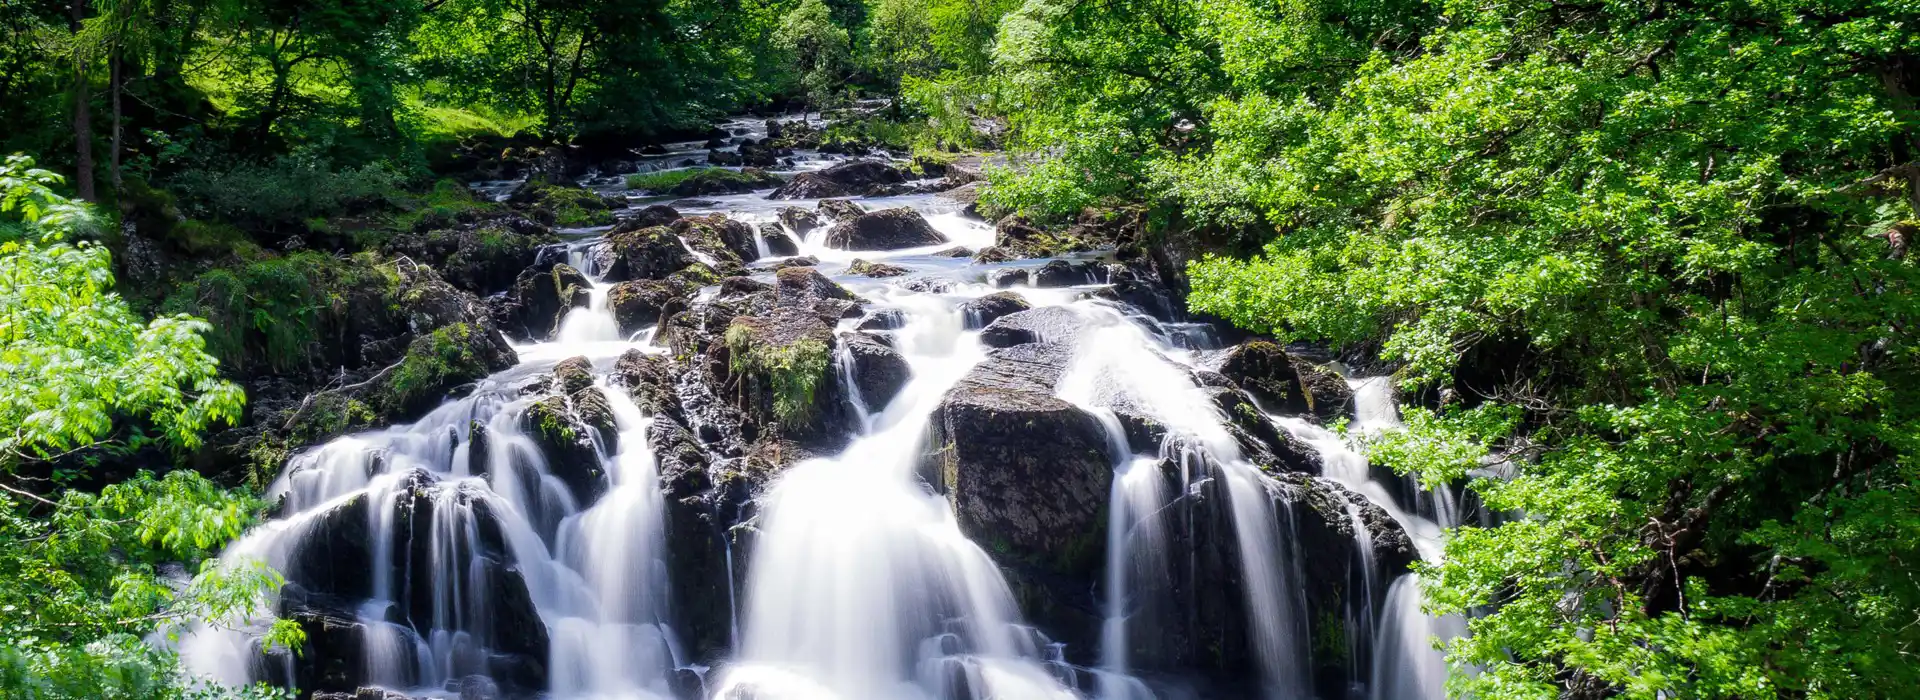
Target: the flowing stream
pixel 861 584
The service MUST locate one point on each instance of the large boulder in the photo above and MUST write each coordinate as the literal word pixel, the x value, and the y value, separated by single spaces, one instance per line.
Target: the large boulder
pixel 844 180
pixel 638 304
pixel 482 257
pixel 1284 383
pixel 1054 324
pixel 648 253
pixel 573 427
pixel 799 221
pixel 542 297
pixel 649 217
pixel 888 229
pixel 987 309
pixel 840 211
pixel 719 237
pixel 778 241
pixel 805 286
pixel 783 363
pixel 879 371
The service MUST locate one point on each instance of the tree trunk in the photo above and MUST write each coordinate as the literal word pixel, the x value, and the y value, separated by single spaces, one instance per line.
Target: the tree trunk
pixel 118 68
pixel 82 115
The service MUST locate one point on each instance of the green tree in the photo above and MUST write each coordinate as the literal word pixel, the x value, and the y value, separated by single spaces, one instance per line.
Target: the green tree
pixel 819 49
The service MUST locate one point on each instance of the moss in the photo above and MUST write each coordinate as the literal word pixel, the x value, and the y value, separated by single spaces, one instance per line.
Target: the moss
pixel 432 362
pixel 549 420
pixel 265 313
pixel 666 180
pixel 573 207
pixel 1330 640
pixel 793 371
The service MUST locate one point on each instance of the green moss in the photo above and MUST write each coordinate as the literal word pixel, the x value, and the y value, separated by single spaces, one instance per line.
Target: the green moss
pixel 662 181
pixel 1330 640
pixel 433 361
pixel 793 371
pixel 573 207
pixel 265 313
pixel 447 203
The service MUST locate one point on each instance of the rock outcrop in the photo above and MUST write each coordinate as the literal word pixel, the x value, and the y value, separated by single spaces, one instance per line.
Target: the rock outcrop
pixel 887 229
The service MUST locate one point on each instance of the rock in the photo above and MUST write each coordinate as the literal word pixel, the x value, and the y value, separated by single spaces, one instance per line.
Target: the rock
pixel 782 362
pixel 541 298
pixel 879 371
pixel 840 211
pixel 874 269
pixel 993 254
pixel 803 261
pixel 968 196
pixel 1052 324
pixel 482 258
pixel 695 203
pixel 656 215
pixel 805 285
pixel 719 237
pixel 958 251
pixel 1012 277
pixel 777 240
pixel 649 253
pixel 890 229
pixel 884 320
pixel 1284 383
pixel 637 305
pixel 844 180
pixel 981 312
pixel 799 221
pixel 1060 273
pixel 1016 237
pixel 1028 474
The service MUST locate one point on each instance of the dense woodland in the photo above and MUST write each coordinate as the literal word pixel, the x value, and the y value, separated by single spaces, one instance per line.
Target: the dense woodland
pixel 1642 266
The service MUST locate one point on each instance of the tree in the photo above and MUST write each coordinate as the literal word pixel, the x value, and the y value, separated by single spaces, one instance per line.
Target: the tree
pixel 819 49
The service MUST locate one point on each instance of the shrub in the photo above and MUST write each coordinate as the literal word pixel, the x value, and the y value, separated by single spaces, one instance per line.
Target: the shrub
pixel 284 194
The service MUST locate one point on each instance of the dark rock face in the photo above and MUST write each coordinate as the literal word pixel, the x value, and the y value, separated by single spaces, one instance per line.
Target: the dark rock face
pixel 890 229
pixel 541 298
pixel 649 217
pixel 484 257
pixel 1285 383
pixel 1045 324
pixel 1060 273
pixel 778 242
pixel 782 361
pixel 649 253
pixel 505 639
pixel 884 320
pixel 570 427
pixel 718 236
pixel 843 180
pixel 638 305
pixel 805 285
pixel 1028 476
pixel 1002 279
pixel 799 221
pixel 985 310
pixel 874 269
pixel 840 211
pixel 879 371
pixel 958 251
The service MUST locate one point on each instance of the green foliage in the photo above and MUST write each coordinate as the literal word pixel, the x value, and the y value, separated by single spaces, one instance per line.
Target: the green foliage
pixel 819 49
pixel 875 133
pixel 265 313
pixel 433 362
pixel 286 193
pixel 75 357
pixel 791 370
pixel 82 585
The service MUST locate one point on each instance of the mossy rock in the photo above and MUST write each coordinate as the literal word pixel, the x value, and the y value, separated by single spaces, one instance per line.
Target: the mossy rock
pixel 782 362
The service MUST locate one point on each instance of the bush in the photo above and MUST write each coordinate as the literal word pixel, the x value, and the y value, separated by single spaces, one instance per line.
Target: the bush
pixel 285 194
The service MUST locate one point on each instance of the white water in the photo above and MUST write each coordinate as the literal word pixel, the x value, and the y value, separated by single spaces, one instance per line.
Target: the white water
pixel 860 584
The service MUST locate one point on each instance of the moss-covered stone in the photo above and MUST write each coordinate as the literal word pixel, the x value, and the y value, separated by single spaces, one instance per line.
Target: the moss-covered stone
pixel 789 359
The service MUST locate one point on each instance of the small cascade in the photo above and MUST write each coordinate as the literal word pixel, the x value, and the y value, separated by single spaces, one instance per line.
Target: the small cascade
pixel 594 324
pixel 862 584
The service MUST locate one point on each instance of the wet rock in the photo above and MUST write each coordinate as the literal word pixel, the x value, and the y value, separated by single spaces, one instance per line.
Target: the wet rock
pixel 719 237
pixel 958 251
pixel 483 257
pixel 778 242
pixel 649 378
pixel 1027 474
pixel 874 269
pixel 981 312
pixel 1284 383
pixel 1052 324
pixel 799 221
pixel 802 261
pixel 649 253
pixel 884 320
pixel 1060 273
pixel 568 436
pixel 840 211
pixel 805 285
pixel 889 229
pixel 1016 237
pixel 637 305
pixel 879 371
pixel 993 254
pixel 844 180
pixel 649 217
pixel 1013 277
pixel 696 552
pixel 782 362
pixel 541 298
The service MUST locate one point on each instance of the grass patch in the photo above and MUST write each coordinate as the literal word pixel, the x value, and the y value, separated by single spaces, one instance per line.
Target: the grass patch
pixel 663 181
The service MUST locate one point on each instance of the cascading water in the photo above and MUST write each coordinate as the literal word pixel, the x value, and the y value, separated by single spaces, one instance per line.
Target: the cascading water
pixel 859 580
